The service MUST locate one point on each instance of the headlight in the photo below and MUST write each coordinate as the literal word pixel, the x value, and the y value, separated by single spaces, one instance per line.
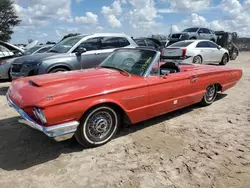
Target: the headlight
pixel 39 115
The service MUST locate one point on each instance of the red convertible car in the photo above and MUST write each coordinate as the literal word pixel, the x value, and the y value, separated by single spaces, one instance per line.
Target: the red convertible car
pixel 131 85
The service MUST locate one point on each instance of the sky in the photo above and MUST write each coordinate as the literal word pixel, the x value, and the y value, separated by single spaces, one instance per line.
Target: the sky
pixel 50 20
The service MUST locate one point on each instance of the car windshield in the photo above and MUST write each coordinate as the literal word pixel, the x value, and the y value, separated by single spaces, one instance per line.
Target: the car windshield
pixel 191 30
pixel 31 50
pixel 181 44
pixel 132 61
pixel 65 45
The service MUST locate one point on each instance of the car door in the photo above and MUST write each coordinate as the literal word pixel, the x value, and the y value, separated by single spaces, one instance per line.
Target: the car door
pixel 207 34
pixel 217 54
pixel 92 57
pixel 171 92
pixel 204 50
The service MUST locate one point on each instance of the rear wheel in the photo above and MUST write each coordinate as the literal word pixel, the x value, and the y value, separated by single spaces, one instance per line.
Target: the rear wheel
pixel 224 60
pixel 58 70
pixel 197 59
pixel 210 95
pixel 98 126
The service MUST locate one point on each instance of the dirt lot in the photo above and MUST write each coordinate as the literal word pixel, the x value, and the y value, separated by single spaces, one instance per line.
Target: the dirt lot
pixel 192 147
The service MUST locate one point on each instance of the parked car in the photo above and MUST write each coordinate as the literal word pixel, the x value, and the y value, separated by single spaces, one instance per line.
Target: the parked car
pixel 196 51
pixel 9 50
pixel 131 85
pixel 79 52
pixel 5 63
pixel 38 49
pixel 193 33
pixel 150 43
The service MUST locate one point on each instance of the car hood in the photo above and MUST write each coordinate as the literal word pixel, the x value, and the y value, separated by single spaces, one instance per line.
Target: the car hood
pixel 57 88
pixel 36 58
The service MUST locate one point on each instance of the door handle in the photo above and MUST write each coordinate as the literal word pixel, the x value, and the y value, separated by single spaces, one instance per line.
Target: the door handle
pixel 97 53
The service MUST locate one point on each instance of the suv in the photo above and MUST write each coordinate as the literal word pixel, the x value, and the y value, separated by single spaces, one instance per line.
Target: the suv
pixel 79 52
pixel 192 34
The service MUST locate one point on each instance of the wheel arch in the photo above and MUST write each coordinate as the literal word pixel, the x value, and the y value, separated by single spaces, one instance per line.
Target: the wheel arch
pixel 59 65
pixel 125 119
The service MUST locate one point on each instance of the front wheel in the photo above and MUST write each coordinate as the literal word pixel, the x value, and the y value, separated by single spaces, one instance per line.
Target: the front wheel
pixel 55 70
pixel 224 60
pixel 210 95
pixel 98 126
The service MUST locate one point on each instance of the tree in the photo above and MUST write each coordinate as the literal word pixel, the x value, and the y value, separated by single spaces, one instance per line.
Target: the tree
pixel 70 35
pixel 8 19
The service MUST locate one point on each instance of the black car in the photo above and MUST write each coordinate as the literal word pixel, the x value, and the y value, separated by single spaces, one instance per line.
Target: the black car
pixel 150 43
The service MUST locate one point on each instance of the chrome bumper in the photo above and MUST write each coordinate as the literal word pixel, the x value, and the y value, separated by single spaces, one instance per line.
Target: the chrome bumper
pixel 55 131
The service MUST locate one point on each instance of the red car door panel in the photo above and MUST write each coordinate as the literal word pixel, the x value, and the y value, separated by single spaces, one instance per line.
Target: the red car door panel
pixel 170 93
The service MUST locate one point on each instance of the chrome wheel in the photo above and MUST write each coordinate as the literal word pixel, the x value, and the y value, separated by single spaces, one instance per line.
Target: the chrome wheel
pixel 98 126
pixel 210 94
pixel 197 60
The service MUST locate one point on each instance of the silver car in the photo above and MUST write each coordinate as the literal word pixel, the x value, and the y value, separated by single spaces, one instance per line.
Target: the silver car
pixel 196 51
pixel 191 34
pixel 5 63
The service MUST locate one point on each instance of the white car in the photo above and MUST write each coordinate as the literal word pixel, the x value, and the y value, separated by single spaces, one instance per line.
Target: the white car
pixel 196 51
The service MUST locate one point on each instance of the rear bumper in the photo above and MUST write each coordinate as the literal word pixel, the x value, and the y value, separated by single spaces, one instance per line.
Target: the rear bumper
pixel 188 60
pixel 57 132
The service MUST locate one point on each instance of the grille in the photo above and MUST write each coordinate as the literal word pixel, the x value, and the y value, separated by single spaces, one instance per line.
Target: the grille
pixel 16 67
pixel 176 35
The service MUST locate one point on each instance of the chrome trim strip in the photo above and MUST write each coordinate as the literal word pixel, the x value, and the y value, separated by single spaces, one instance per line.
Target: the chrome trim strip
pixel 135 97
pixel 52 131
pixel 156 58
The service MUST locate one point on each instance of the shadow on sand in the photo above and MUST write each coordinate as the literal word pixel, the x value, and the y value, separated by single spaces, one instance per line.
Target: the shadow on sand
pixel 22 147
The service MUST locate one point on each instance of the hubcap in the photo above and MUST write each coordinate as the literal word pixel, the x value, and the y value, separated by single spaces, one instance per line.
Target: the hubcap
pixel 210 93
pixel 197 60
pixel 99 125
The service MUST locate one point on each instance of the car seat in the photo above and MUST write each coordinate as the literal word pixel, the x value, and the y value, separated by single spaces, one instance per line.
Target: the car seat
pixel 171 67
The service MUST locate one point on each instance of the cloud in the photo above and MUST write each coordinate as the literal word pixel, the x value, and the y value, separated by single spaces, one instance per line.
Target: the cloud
pixel 41 12
pixel 90 18
pixel 195 20
pixel 113 21
pixel 110 13
pixel 184 6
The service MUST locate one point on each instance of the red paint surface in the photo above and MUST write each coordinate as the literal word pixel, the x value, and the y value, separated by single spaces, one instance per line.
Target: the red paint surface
pixel 67 96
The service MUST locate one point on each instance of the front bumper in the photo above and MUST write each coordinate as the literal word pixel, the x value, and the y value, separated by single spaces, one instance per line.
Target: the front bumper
pixel 58 132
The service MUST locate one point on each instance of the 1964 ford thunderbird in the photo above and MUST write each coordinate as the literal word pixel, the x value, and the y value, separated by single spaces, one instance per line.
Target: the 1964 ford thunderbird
pixel 131 85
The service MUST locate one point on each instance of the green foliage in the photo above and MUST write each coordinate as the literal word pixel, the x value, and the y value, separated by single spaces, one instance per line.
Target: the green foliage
pixel 8 19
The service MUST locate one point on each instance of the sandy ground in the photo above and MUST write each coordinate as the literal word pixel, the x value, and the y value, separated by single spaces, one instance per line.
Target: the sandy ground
pixel 192 147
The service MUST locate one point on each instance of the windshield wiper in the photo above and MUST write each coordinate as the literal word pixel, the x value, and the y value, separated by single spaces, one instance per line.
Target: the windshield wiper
pixel 54 51
pixel 116 68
